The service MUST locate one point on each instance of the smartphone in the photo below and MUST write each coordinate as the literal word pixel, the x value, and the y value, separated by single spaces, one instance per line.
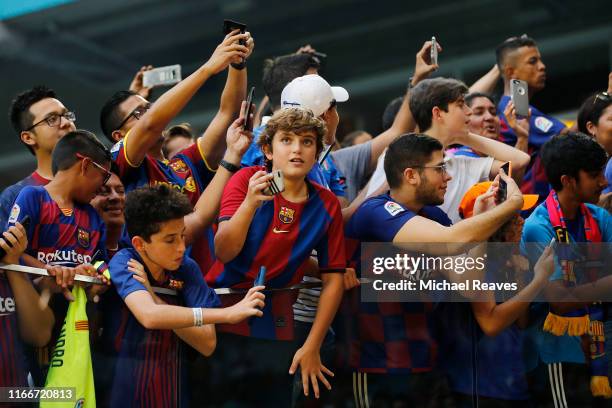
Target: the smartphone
pixel 507 168
pixel 25 222
pixel 276 185
pixel 520 97
pixel 502 191
pixel 433 53
pixel 162 76
pixel 229 26
pixel 248 111
pixel 260 280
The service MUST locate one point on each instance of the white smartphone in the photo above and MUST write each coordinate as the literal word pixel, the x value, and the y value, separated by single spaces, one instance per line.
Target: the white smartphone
pixel 276 185
pixel 162 76
pixel 433 53
pixel 520 97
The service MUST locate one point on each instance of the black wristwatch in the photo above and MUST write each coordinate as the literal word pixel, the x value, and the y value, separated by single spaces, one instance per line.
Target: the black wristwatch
pixel 232 168
pixel 239 66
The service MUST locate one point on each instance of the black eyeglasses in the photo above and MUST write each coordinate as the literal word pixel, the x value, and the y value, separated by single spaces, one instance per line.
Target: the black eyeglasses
pixel 602 96
pixel 136 113
pixel 54 119
pixel 332 104
pixel 107 174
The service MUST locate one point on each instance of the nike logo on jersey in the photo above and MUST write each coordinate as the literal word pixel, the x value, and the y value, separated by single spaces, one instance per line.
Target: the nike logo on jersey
pixel 278 231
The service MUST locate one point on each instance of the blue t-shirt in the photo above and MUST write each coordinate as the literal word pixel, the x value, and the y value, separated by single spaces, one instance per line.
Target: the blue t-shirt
pixel 328 175
pixel 466 151
pixel 538 229
pixel 148 364
pixel 608 175
pixel 385 337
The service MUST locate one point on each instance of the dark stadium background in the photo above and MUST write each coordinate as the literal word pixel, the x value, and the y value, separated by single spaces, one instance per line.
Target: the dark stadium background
pixel 86 50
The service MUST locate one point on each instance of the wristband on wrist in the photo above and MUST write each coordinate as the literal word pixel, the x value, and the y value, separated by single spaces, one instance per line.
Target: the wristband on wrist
pixel 232 168
pixel 197 316
pixel 240 66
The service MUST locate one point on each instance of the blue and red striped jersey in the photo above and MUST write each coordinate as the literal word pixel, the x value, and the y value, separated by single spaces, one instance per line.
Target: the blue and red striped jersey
pixel 187 172
pixel 385 337
pixel 12 367
pixel 55 238
pixel 148 368
pixel 281 237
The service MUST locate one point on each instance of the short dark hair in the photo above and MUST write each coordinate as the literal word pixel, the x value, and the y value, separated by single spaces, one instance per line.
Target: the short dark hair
pixel 147 208
pixel 19 111
pixel 592 109
pixel 438 92
pixel 469 98
pixel 509 45
pixel 278 72
pixel 409 150
pixel 79 141
pixel 110 116
pixel 568 154
pixel 391 112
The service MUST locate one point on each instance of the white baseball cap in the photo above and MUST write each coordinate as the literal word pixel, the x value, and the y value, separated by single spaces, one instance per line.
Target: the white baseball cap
pixel 312 92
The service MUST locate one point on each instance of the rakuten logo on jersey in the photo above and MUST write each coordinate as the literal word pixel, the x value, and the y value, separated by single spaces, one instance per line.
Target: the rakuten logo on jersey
pixel 61 257
pixel 7 306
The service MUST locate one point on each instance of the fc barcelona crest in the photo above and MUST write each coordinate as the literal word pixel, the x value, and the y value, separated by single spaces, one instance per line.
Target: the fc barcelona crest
pixel 286 215
pixel 83 238
pixel 179 166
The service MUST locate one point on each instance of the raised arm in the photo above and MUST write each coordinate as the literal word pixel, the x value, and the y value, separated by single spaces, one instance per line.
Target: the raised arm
pixel 486 84
pixel 207 207
pixel 211 142
pixel 145 134
pixel 462 235
pixel 493 318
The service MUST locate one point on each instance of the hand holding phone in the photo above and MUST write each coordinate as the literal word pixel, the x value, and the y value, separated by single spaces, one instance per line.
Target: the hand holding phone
pixel 502 189
pixel 25 223
pixel 433 53
pixel 520 97
pixel 228 27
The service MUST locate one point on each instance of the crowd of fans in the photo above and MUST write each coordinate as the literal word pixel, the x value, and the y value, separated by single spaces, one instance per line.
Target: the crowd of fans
pixel 186 224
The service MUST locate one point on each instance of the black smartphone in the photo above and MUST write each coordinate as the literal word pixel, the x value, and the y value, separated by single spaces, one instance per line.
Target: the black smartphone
pixel 229 26
pixel 248 111
pixel 26 224
pixel 507 167
pixel 502 191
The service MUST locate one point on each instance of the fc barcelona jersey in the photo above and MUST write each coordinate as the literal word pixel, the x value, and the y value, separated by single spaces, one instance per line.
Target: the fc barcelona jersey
pixel 281 237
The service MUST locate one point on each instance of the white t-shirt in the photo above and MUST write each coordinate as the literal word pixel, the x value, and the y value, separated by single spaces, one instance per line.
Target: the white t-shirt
pixel 465 172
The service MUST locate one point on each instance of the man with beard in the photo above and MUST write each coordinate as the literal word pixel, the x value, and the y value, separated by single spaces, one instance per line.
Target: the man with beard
pixel 390 344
